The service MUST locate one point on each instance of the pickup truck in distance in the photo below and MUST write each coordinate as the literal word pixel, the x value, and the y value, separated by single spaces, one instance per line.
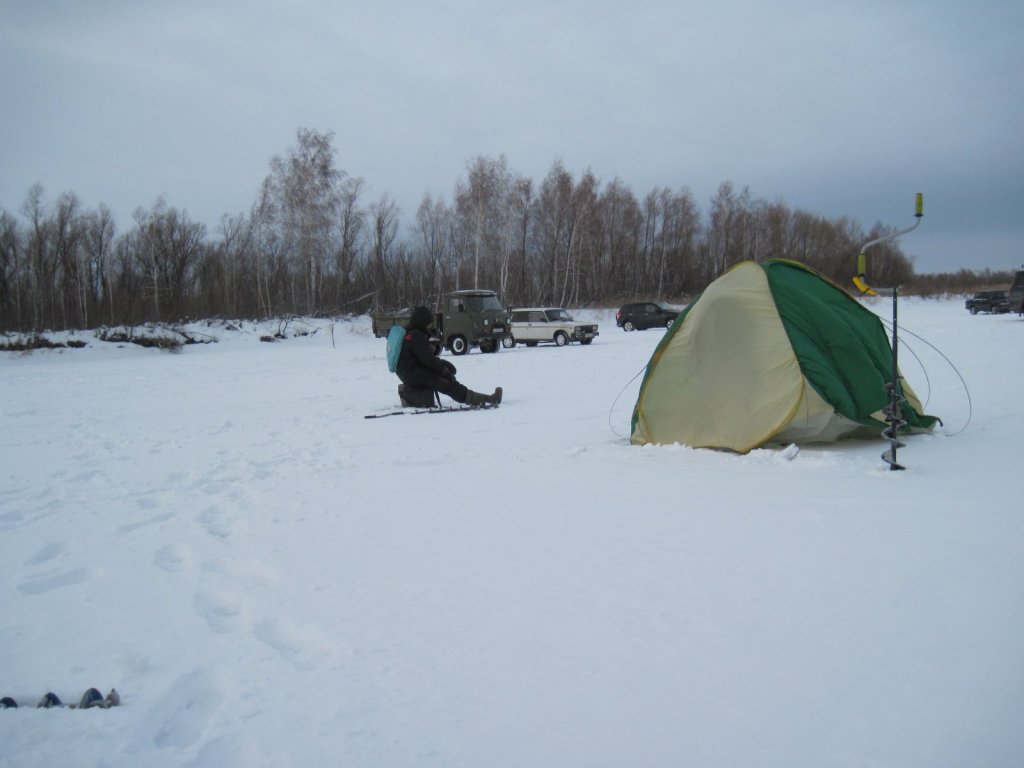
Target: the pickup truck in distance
pixel 462 320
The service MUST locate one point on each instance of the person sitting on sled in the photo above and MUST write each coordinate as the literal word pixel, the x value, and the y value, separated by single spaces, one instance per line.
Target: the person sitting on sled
pixel 420 368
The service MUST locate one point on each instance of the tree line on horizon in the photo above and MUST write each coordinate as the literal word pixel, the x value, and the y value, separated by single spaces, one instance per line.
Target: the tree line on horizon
pixel 310 245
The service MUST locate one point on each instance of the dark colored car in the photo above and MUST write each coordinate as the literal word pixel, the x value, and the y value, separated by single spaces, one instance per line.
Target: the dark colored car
pixel 641 315
pixel 988 301
pixel 1015 301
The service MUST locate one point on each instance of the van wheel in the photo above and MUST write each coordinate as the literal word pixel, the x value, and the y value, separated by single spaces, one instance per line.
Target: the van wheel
pixel 628 326
pixel 508 342
pixel 561 339
pixel 458 345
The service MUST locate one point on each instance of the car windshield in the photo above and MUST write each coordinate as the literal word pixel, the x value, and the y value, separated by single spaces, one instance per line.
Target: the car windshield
pixel 557 314
pixel 481 303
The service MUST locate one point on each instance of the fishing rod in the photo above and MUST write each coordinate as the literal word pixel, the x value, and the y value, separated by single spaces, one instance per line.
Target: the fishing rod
pixel 893 415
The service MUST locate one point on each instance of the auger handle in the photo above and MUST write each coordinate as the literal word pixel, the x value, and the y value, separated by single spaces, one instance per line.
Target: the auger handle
pixel 859 279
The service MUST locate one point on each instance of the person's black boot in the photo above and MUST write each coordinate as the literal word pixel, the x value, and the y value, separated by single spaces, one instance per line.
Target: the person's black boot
pixel 476 399
pixel 50 699
pixel 91 698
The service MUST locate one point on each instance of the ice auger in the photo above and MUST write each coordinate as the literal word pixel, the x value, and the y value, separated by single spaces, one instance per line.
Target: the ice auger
pixel 893 413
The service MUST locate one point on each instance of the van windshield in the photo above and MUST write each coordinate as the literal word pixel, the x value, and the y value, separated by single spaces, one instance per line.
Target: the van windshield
pixel 481 303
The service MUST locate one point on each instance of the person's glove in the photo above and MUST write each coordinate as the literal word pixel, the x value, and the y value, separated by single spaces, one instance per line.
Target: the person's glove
pixel 450 367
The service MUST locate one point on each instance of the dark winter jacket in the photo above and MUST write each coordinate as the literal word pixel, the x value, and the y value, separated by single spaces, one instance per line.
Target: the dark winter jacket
pixel 418 366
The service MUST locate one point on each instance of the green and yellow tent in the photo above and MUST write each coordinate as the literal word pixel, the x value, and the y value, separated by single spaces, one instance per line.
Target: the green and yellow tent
pixel 770 352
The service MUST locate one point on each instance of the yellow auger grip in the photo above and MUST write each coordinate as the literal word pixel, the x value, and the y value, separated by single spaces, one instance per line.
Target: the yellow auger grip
pixel 858 279
pixel 863 287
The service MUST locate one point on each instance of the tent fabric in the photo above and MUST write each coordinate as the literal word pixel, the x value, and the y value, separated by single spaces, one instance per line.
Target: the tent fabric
pixel 769 351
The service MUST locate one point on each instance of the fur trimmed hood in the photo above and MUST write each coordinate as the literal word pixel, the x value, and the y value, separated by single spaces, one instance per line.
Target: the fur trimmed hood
pixel 422 318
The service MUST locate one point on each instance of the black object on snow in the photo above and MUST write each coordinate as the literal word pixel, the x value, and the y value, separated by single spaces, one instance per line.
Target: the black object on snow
pixel 50 699
pixel 421 411
pixel 91 698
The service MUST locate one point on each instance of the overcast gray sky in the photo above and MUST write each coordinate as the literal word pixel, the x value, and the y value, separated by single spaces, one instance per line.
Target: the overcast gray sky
pixel 835 108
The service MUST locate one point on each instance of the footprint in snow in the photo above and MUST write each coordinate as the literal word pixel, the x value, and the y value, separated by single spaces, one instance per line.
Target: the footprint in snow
pixel 172 558
pixel 219 523
pixel 223 612
pixel 183 714
pixel 47 553
pixel 304 648
pixel 155 520
pixel 38 586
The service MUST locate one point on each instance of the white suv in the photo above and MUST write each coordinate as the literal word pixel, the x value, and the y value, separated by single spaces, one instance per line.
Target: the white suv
pixel 534 325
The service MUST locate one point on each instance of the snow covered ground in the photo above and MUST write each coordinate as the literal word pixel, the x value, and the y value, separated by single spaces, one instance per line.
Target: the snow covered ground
pixel 269 579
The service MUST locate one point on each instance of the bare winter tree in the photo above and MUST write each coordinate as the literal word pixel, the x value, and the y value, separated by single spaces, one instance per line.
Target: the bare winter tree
pixel 352 229
pixel 434 224
pixel 384 215
pixel 523 214
pixel 267 248
pixel 677 249
pixel 307 245
pixel 555 224
pixel 99 251
pixel 233 253
pixel 582 250
pixel 11 278
pixel 778 226
pixel 169 247
pixel 71 290
pixel 725 234
pixel 482 206
pixel 653 214
pixel 40 264
pixel 621 225
pixel 304 185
